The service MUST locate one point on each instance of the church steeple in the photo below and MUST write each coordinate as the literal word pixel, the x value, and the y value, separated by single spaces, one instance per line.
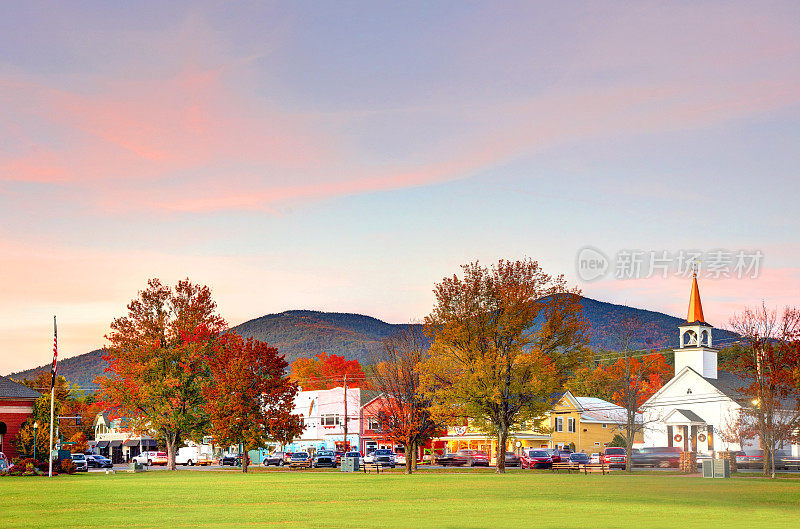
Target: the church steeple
pixel 695 349
pixel 695 307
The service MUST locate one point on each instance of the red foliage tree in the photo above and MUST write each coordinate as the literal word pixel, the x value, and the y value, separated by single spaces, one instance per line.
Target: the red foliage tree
pixel 250 398
pixel 158 361
pixel 632 375
pixel 326 372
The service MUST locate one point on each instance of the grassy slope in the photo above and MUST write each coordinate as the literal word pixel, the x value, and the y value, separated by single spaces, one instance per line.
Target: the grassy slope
pixel 332 499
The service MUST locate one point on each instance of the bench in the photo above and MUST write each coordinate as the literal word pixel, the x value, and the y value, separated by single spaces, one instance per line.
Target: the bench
pixel 369 467
pixel 580 467
pixel 569 467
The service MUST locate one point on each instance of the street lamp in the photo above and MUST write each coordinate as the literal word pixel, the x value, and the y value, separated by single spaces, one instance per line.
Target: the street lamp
pixel 519 445
pixel 35 427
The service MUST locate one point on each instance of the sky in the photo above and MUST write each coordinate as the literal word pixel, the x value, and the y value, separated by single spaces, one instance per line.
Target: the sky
pixel 345 156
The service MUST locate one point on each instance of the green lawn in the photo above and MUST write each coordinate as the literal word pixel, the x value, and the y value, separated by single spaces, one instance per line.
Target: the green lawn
pixel 452 499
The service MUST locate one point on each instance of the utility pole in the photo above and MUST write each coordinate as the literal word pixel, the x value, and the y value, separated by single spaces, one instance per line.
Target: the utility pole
pixel 346 444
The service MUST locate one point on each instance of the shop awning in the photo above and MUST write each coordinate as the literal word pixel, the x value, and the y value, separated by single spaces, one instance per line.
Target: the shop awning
pixel 131 442
pixel 115 444
pixel 102 444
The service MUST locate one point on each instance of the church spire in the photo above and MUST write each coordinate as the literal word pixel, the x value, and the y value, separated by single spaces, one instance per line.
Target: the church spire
pixel 695 307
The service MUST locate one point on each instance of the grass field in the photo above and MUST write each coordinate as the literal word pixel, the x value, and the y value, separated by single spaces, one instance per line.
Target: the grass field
pixel 333 499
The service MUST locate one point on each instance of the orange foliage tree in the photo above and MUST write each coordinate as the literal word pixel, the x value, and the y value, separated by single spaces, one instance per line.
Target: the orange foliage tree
pixel 769 368
pixel 158 361
pixel 249 398
pixel 326 372
pixel 504 339
pixel 403 410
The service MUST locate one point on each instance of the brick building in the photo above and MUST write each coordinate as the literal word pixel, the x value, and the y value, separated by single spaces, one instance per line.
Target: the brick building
pixel 16 405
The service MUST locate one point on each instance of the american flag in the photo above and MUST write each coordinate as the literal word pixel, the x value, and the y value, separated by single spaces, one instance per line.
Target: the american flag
pixel 55 354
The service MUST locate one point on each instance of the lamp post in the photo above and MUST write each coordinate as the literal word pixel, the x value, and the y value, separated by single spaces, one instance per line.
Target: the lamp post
pixel 35 427
pixel 519 445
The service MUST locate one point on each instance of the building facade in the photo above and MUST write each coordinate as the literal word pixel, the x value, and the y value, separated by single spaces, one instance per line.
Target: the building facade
pixel 16 405
pixel 114 439
pixel 324 414
pixel 586 424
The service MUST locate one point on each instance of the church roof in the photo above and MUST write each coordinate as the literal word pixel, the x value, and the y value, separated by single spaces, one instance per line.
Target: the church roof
pixel 14 390
pixel 695 306
pixel 689 414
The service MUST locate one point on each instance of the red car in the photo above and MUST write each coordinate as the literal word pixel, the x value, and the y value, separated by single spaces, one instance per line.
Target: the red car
pixel 536 459
pixel 614 457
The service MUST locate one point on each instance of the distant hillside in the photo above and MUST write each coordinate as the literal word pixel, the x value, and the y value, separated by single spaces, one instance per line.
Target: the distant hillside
pixel 79 370
pixel 304 333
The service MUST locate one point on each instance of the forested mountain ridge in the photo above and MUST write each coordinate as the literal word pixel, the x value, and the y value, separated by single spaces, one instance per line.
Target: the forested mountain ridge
pixel 304 333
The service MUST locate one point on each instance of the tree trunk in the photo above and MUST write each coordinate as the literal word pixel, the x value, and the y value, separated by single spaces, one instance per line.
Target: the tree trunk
pixel 416 460
pixel 171 440
pixel 629 435
pixel 245 460
pixel 501 451
pixel 411 457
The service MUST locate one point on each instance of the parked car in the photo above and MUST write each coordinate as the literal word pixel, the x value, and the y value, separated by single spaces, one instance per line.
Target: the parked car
pixel 339 456
pixel 400 456
pixel 151 458
pixel 580 458
pixel 473 458
pixel 615 457
pixel 324 458
pixel 300 460
pixel 594 458
pixel 96 461
pixel 449 459
pixel 554 453
pixel 230 460
pixel 755 459
pixel 80 462
pixel 536 459
pixel 512 460
pixel 383 457
pixel 277 458
pixel 657 456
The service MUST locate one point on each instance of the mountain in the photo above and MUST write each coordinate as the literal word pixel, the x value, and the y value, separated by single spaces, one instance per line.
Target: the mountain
pixel 303 333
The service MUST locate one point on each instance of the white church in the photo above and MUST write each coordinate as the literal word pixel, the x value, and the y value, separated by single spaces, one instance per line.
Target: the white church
pixel 700 403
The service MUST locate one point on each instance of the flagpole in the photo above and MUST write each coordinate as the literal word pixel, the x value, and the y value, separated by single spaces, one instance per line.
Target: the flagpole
pixel 53 395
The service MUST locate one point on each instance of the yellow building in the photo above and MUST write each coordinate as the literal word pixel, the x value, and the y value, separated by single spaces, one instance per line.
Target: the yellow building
pixel 461 437
pixel 587 423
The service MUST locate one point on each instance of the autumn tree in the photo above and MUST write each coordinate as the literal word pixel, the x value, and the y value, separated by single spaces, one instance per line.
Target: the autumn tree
pixel 403 410
pixel 40 415
pixel 769 367
pixel 250 399
pixel 157 359
pixel 327 372
pixel 504 340
pixel 633 374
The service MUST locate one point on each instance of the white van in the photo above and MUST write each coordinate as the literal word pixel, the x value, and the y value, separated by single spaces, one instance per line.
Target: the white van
pixel 192 455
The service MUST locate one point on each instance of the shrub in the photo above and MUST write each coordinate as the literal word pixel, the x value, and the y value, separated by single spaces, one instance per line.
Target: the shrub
pixel 66 466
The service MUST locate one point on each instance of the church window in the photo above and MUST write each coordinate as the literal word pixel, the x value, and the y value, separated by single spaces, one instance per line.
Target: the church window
pixel 689 391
